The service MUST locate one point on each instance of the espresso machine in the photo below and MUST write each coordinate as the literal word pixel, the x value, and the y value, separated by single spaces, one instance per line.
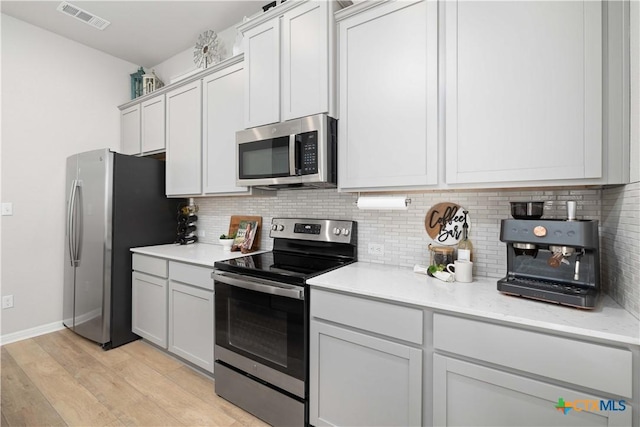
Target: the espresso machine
pixel 554 260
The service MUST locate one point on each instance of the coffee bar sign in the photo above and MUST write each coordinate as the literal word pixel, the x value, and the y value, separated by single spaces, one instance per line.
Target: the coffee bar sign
pixel 444 223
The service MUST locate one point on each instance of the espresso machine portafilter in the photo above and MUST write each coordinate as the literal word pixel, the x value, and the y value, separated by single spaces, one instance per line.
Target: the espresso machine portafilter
pixel 552 260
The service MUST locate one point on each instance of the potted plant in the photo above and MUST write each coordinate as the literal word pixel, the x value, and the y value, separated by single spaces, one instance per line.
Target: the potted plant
pixel 226 241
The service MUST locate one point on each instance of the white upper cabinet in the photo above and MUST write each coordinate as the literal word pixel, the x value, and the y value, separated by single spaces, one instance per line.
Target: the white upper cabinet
pixel 288 58
pixel 130 130
pixel 153 125
pixel 523 90
pixel 388 97
pixel 184 140
pixel 223 105
pixel 262 84
pixel 305 63
pixel 142 127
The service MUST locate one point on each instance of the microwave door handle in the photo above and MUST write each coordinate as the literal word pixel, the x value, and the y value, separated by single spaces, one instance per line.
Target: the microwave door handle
pixel 293 160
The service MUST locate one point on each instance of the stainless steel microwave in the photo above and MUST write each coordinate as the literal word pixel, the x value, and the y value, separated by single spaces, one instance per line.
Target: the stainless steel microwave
pixel 296 153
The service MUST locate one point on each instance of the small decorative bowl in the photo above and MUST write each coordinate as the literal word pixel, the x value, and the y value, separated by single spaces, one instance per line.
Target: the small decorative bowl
pixel 226 244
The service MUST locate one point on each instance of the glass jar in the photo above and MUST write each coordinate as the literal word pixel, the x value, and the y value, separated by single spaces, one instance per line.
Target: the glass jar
pixel 440 255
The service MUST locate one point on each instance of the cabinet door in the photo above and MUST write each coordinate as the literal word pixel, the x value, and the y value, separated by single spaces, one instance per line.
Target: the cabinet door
pixel 467 394
pixel 523 90
pixel 262 80
pixel 388 131
pixel 191 324
pixel 305 60
pixel 153 126
pixel 149 308
pixel 223 108
pixel 184 140
pixel 359 380
pixel 130 130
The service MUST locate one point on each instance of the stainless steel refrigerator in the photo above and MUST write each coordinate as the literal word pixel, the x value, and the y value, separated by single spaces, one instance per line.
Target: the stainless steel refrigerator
pixel 114 202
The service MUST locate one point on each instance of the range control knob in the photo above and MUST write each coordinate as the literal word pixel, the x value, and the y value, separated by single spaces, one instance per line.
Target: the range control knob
pixel 345 231
pixel 280 227
pixel 274 227
pixel 336 231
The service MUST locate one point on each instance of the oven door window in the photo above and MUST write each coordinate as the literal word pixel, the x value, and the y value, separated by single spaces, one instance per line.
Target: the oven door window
pixel 268 158
pixel 266 328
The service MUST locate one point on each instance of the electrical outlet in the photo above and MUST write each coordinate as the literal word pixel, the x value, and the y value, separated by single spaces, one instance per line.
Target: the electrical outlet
pixel 201 233
pixel 376 249
pixel 7 301
pixel 7 209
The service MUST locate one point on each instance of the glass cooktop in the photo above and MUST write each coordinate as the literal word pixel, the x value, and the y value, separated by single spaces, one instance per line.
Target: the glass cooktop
pixel 281 266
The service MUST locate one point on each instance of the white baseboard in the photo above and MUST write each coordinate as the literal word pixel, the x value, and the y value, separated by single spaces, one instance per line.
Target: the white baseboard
pixel 30 333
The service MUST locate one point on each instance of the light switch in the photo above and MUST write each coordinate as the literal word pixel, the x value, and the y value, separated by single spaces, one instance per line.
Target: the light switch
pixel 7 209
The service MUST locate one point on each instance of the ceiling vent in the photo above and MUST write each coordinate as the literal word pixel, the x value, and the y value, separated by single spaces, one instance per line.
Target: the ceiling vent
pixel 83 15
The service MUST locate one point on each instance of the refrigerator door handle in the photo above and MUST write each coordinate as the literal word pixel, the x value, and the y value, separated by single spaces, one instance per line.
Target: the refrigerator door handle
pixel 70 222
pixel 80 228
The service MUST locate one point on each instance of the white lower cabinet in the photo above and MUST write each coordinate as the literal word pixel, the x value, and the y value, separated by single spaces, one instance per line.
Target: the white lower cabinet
pixel 149 298
pixel 467 394
pixel 515 377
pixel 149 314
pixel 191 317
pixel 363 380
pixel 172 307
pixel 359 378
pixel 374 362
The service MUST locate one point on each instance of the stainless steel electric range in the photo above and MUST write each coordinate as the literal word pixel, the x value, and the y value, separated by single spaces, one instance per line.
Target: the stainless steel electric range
pixel 262 317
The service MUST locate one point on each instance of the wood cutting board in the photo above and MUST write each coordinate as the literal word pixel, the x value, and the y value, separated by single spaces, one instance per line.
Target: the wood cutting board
pixel 235 222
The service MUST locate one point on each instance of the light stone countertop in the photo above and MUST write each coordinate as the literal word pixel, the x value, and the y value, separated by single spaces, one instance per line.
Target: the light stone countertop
pixel 203 254
pixel 609 321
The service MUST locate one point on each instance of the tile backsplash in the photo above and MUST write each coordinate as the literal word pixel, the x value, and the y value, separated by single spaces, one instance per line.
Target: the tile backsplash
pixel 401 232
pixel 405 241
pixel 620 245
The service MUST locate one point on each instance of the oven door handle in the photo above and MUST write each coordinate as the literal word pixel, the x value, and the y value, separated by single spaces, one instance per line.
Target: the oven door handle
pixel 259 285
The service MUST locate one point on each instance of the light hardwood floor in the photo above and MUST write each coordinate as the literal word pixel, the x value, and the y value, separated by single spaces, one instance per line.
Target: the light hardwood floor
pixel 62 379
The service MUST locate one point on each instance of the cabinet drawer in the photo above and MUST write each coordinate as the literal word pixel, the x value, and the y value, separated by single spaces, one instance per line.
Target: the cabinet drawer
pixel 392 320
pixel 191 274
pixel 586 364
pixel 150 265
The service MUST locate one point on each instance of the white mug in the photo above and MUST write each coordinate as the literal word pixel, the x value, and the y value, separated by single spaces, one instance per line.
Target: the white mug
pixel 463 271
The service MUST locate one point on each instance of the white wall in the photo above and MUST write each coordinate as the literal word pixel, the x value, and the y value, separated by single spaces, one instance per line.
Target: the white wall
pixel 183 61
pixel 58 98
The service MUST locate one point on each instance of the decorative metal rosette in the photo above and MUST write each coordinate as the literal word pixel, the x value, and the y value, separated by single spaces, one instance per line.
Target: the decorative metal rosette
pixel 206 50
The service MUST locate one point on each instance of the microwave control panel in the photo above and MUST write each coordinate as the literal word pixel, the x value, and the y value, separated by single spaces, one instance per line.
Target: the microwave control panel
pixel 308 153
